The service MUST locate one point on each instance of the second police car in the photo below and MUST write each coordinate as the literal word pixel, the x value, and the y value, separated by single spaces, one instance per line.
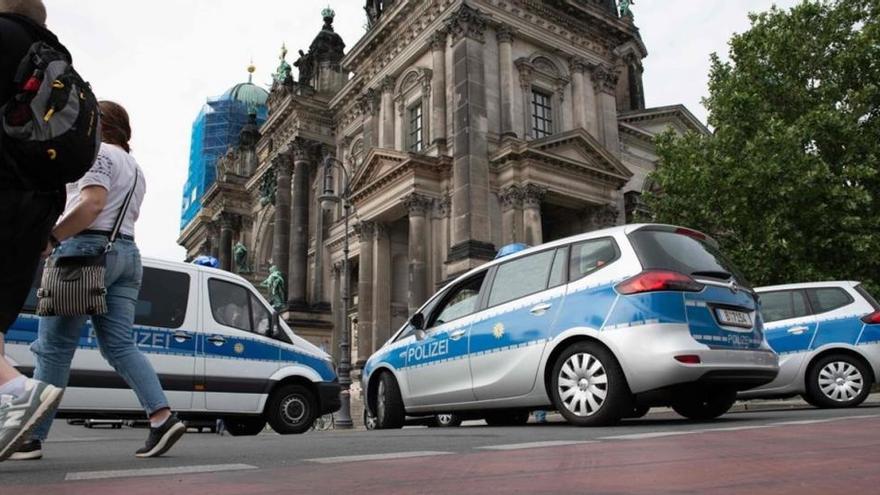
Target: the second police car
pixel 599 326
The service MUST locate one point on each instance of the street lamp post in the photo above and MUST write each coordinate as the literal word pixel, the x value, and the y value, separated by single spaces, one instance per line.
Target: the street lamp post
pixel 343 369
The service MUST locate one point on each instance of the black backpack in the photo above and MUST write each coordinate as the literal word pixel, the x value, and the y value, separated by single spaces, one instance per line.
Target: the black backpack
pixel 51 127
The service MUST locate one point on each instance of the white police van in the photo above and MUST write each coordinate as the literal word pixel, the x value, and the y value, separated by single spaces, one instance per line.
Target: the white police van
pixel 827 335
pixel 218 347
pixel 599 326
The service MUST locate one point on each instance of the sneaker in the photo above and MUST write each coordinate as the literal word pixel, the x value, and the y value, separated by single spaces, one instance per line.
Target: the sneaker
pixel 29 451
pixel 19 417
pixel 161 439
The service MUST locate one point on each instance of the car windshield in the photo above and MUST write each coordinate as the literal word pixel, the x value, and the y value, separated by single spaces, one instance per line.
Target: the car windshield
pixel 669 250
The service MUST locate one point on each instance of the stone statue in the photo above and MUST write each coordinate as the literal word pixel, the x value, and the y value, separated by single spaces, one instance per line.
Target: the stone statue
pixel 275 283
pixel 239 254
pixel 625 10
pixel 283 73
pixel 304 64
pixel 268 187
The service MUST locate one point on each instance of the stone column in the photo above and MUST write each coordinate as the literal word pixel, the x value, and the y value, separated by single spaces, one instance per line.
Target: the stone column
pixel 605 80
pixel 381 285
pixel 366 232
pixel 439 241
pixel 214 240
pixel 336 308
pixel 471 235
pixel 511 215
pixel 299 232
pixel 318 265
pixel 438 88
pixel 578 100
pixel 281 237
pixel 505 63
pixel 386 129
pixel 228 224
pixel 417 205
pixel 526 72
pixel 532 197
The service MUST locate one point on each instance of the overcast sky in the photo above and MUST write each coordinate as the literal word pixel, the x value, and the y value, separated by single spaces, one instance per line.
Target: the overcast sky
pixel 162 58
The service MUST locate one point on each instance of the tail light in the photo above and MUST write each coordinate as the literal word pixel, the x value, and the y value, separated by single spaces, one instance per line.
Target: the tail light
pixel 658 280
pixel 872 319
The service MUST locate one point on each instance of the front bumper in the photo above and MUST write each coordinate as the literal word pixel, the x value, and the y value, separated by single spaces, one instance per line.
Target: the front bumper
pixel 647 354
pixel 328 396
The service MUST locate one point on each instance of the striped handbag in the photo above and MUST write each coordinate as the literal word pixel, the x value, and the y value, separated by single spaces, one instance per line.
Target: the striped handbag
pixel 75 285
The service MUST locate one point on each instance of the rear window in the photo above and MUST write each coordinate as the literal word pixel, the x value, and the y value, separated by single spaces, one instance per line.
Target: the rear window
pixel 868 297
pixel 828 299
pixel 783 305
pixel 664 250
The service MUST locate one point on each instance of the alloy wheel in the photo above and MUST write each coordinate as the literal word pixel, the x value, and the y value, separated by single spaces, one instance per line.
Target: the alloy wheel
pixel 583 384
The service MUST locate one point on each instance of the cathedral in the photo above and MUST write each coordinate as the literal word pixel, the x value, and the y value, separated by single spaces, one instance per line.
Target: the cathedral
pixel 453 128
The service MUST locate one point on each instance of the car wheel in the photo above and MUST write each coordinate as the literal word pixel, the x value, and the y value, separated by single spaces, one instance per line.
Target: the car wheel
pixel 588 387
pixel 838 380
pixel 369 421
pixel 447 420
pixel 244 427
pixel 390 413
pixel 705 404
pixel 292 409
pixel 507 418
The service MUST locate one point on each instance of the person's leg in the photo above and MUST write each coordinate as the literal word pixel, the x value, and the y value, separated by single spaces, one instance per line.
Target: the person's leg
pixel 56 344
pixel 11 381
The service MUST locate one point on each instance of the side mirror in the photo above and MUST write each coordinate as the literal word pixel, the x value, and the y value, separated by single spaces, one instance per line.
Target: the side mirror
pixel 418 321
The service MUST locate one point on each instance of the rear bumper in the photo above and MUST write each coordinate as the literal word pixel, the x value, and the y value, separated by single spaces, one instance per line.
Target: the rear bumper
pixel 328 396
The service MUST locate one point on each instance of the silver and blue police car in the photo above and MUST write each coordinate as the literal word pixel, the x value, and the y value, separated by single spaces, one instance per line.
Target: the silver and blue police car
pixel 828 338
pixel 599 326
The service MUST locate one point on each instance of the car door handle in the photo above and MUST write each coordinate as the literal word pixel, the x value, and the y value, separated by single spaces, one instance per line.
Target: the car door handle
pixel 456 335
pixel 181 337
pixel 217 340
pixel 540 309
pixel 797 330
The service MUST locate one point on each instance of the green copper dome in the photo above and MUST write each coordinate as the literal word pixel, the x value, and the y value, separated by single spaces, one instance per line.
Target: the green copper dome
pixel 248 93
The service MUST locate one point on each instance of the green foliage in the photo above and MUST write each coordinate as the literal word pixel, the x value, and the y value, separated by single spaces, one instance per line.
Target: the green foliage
pixel 789 182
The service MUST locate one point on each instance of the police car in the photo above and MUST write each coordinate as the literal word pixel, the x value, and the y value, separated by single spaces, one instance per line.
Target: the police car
pixel 599 326
pixel 218 347
pixel 828 338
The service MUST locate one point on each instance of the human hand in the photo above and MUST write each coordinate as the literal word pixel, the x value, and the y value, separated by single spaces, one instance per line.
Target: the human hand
pixel 47 251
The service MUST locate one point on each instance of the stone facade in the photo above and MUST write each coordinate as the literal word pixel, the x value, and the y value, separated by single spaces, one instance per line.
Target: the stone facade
pixel 463 126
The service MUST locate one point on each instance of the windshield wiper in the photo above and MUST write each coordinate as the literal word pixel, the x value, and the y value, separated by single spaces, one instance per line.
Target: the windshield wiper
pixel 713 274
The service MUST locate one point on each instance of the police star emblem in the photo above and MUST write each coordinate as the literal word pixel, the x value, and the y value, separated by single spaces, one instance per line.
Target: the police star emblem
pixel 498 330
pixel 238 348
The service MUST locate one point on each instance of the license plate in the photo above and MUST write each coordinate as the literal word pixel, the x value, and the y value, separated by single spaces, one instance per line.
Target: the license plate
pixel 734 318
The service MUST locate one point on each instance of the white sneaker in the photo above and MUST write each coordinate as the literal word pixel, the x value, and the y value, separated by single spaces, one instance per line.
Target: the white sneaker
pixel 19 417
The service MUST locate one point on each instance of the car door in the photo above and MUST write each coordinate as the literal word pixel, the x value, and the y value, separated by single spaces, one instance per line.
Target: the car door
pixel 238 357
pixel 437 369
pixel 508 337
pixel 789 328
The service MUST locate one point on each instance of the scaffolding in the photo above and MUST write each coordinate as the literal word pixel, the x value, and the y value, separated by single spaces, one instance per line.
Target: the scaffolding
pixel 214 131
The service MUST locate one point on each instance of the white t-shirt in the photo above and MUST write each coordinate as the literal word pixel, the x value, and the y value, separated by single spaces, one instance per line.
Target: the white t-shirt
pixel 113 170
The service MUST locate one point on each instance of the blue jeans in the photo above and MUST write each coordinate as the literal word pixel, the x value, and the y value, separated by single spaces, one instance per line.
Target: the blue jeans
pixel 59 335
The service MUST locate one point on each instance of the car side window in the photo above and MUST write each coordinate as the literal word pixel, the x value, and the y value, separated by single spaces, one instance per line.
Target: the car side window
pixel 590 256
pixel 521 277
pixel 163 298
pixel 462 300
pixel 783 305
pixel 261 319
pixel 828 299
pixel 230 305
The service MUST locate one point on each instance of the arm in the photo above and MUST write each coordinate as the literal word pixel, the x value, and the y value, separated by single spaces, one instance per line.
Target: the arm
pixel 91 203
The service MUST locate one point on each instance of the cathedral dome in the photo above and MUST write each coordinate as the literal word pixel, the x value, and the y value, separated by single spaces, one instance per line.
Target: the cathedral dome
pixel 248 93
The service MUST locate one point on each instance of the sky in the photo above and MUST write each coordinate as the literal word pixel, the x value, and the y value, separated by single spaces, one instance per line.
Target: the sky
pixel 161 59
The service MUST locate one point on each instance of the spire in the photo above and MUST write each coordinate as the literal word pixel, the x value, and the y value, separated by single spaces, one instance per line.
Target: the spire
pixel 251 69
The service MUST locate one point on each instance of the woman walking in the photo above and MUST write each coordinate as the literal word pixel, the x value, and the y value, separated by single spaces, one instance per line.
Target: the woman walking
pixel 93 207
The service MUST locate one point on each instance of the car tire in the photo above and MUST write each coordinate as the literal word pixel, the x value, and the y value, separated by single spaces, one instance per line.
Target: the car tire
pixel 575 369
pixel 390 413
pixel 244 427
pixel 837 381
pixel 507 418
pixel 703 405
pixel 447 420
pixel 369 421
pixel 292 409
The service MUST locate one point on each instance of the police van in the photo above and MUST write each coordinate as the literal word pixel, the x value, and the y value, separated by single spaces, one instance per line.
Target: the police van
pixel 600 326
pixel 827 335
pixel 219 349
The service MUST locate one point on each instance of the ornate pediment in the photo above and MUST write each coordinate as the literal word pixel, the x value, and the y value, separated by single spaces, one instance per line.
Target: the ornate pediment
pixel 378 163
pixel 575 149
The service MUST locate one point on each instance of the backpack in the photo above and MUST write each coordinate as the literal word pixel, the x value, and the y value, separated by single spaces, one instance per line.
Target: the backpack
pixel 52 125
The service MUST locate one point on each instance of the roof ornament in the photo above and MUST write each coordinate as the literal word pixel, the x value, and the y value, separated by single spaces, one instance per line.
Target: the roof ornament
pixel 625 8
pixel 251 69
pixel 283 73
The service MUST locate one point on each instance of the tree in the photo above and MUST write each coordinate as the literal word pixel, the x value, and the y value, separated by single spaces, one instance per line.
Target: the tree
pixel 789 181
